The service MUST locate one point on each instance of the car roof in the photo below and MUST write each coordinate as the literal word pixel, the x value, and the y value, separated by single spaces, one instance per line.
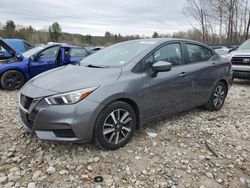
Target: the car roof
pixel 158 41
pixel 62 45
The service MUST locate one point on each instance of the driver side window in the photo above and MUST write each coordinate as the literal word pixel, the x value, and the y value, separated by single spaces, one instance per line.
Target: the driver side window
pixel 49 53
pixel 170 53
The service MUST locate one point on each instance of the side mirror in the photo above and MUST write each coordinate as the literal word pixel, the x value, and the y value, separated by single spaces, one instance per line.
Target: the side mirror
pixel 32 58
pixel 233 49
pixel 162 66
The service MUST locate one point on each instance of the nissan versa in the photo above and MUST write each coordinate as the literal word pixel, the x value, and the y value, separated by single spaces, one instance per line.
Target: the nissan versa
pixel 111 93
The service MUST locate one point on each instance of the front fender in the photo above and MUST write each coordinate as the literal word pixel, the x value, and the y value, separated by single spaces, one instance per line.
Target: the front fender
pixel 19 66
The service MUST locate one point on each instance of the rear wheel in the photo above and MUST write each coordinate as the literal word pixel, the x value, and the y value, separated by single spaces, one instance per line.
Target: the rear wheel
pixel 115 125
pixel 217 97
pixel 12 80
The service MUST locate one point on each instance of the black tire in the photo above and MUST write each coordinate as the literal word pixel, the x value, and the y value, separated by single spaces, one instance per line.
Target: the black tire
pixel 217 97
pixel 105 123
pixel 12 80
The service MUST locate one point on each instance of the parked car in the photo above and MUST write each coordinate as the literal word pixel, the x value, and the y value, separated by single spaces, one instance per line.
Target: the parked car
pixel 18 45
pixel 120 88
pixel 17 68
pixel 240 59
pixel 223 51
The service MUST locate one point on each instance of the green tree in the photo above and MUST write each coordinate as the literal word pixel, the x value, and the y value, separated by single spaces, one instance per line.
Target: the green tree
pixel 155 35
pixel 55 31
pixel 108 37
pixel 88 39
pixel 10 29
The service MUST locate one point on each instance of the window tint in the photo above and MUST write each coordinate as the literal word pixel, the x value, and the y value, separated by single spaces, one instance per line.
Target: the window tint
pixel 198 53
pixel 49 53
pixel 170 53
pixel 78 52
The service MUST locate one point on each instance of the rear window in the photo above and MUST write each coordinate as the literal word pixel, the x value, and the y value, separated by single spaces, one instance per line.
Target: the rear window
pixel 197 53
pixel 78 52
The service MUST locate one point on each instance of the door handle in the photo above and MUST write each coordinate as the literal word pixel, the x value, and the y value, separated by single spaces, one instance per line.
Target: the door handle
pixel 213 64
pixel 183 74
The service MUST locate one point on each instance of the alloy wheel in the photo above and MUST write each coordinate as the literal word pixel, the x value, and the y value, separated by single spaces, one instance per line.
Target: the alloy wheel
pixel 13 81
pixel 219 96
pixel 117 126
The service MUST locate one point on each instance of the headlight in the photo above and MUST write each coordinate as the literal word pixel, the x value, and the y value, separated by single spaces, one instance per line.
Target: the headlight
pixel 70 97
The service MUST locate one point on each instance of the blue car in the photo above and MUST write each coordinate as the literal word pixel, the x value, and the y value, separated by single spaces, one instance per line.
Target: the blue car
pixel 17 68
pixel 18 45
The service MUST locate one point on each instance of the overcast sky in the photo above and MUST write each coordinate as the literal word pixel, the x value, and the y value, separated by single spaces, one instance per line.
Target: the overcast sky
pixel 97 16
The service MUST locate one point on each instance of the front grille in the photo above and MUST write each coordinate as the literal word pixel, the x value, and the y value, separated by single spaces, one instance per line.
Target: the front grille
pixel 241 60
pixel 26 120
pixel 25 101
pixel 65 133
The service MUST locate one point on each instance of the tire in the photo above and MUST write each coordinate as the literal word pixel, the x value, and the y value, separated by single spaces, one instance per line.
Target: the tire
pixel 12 80
pixel 217 97
pixel 118 118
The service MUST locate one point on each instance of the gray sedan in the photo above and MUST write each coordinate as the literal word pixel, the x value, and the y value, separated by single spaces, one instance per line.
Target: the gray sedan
pixel 110 94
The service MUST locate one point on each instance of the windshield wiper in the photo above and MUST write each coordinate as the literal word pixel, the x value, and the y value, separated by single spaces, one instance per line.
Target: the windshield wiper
pixel 97 66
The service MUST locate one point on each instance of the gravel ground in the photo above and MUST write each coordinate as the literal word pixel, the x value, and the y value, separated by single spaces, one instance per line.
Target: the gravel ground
pixel 192 149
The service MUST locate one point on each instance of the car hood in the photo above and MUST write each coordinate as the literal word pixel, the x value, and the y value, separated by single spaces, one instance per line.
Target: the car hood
pixel 10 49
pixel 73 77
pixel 240 53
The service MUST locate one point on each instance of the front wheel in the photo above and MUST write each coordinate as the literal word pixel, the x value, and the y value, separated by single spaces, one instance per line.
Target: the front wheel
pixel 12 80
pixel 115 125
pixel 217 97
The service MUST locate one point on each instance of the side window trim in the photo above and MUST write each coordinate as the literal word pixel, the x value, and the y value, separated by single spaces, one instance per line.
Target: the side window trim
pixel 47 49
pixel 182 47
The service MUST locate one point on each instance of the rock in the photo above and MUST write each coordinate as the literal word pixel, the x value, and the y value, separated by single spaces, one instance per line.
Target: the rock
pixel 209 175
pixel 85 177
pixel 62 172
pixel 13 176
pixel 144 172
pixel 3 179
pixel 152 135
pixel 220 181
pixel 137 157
pixel 242 180
pixel 51 170
pixel 96 159
pixel 168 172
pixel 79 168
pixel 90 168
pixel 31 185
pixel 109 182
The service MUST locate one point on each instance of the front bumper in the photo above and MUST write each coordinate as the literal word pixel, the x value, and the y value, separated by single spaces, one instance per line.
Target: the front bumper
pixel 241 71
pixel 70 123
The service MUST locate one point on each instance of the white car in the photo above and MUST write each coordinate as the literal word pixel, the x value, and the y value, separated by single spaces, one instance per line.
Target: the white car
pixel 240 59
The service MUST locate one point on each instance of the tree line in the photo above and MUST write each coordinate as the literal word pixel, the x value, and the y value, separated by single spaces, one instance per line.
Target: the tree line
pixel 219 21
pixel 54 33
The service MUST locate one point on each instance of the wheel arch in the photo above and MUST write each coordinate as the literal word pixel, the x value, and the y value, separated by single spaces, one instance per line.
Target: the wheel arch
pixel 225 82
pixel 127 100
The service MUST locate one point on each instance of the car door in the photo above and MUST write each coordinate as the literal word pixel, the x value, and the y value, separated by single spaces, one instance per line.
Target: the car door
pixel 203 66
pixel 45 60
pixel 166 92
pixel 77 54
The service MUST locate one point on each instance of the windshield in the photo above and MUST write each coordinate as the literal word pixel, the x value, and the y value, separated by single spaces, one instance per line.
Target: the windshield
pixel 116 55
pixel 245 45
pixel 33 51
